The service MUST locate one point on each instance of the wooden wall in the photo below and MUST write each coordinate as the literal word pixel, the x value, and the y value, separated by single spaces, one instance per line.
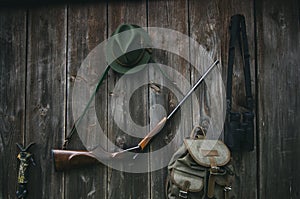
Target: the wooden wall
pixel 278 98
pixel 43 46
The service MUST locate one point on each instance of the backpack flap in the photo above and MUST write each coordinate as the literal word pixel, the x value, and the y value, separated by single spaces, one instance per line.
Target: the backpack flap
pixel 187 174
pixel 187 181
pixel 205 151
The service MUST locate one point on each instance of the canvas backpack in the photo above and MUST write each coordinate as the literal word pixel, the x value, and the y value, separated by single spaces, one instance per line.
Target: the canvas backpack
pixel 200 169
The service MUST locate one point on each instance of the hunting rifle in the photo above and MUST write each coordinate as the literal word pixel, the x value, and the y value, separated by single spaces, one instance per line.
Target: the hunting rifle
pixel 68 159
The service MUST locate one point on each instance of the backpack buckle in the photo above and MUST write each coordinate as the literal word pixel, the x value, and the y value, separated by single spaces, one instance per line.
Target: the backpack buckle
pixel 183 194
pixel 227 188
pixel 214 170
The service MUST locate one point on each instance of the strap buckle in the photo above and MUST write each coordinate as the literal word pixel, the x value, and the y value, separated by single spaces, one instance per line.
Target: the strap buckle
pixel 227 188
pixel 214 170
pixel 183 194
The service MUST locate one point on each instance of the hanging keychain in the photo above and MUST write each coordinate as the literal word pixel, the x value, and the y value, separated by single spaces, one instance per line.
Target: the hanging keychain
pixel 25 159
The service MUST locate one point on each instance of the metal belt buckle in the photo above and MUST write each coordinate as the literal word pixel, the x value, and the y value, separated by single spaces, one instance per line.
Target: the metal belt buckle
pixel 214 170
pixel 183 194
pixel 227 188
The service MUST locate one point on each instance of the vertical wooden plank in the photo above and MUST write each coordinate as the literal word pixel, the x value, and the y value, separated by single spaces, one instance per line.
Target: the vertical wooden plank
pixel 170 15
pixel 45 94
pixel 245 163
pixel 204 24
pixel 12 95
pixel 86 29
pixel 279 79
pixel 126 184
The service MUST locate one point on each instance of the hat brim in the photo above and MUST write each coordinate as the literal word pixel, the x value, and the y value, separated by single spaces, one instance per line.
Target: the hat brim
pixel 133 69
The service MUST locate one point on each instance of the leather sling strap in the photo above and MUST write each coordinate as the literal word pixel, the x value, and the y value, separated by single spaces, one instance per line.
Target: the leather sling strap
pixel 238 34
pixel 104 74
pixel 77 122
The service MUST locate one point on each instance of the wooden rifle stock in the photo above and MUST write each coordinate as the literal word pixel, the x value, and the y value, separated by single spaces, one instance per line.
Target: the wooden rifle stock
pixel 144 142
pixel 67 159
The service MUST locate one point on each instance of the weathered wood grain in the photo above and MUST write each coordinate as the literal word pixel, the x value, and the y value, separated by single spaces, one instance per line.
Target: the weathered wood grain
pixel 86 29
pixel 46 95
pixel 279 113
pixel 36 92
pixel 204 24
pixel 12 95
pixel 170 15
pixel 245 185
pixel 123 184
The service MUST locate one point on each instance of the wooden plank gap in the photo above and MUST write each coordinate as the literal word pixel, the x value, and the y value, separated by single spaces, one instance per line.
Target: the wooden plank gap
pixel 26 70
pixel 66 91
pixel 257 130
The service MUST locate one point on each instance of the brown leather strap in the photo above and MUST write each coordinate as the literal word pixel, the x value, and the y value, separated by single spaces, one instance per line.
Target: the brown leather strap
pixel 212 180
pixel 213 163
pixel 186 186
pixel 226 195
pixel 227 189
pixel 211 186
pixel 184 192
pixel 195 129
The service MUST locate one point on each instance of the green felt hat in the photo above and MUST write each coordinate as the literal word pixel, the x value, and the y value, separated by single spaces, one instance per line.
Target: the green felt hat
pixel 128 49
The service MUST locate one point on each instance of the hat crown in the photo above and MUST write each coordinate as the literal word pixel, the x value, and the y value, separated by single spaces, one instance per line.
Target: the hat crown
pixel 123 41
pixel 128 47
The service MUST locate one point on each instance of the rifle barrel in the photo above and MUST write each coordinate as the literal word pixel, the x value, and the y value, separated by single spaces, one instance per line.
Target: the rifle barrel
pixel 192 89
pixel 161 124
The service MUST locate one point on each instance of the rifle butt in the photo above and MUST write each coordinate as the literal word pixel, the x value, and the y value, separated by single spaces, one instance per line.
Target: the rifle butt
pixel 68 159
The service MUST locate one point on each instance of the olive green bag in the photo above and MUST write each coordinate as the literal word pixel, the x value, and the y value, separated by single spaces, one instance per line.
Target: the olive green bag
pixel 200 169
